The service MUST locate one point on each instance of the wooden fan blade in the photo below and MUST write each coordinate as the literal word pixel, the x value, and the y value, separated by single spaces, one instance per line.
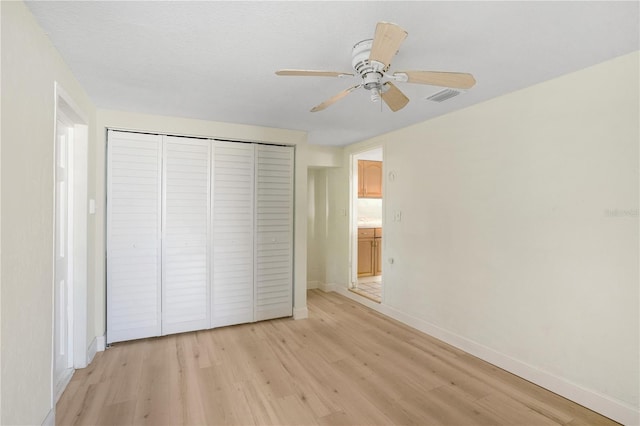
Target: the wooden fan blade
pixel 311 73
pixel 386 42
pixel 334 99
pixel 394 98
pixel 456 80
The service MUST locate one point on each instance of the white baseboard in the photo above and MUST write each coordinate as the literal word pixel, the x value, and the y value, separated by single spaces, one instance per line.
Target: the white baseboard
pixel 61 384
pixel 327 287
pixel 91 351
pixel 312 285
pixel 300 313
pixel 616 410
pixel 50 420
pixel 101 343
pixel 96 345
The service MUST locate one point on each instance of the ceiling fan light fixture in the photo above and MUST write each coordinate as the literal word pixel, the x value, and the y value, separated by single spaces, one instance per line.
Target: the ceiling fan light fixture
pixel 371 80
pixel 375 95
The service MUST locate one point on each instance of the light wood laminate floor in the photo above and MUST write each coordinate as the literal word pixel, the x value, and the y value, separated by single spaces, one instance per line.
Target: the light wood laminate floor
pixel 345 364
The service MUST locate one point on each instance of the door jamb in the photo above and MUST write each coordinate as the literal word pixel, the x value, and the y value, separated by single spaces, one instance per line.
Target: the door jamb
pixel 353 213
pixel 78 150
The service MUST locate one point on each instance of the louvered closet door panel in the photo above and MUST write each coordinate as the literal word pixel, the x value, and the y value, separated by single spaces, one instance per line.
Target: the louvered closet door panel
pixel 274 232
pixel 233 216
pixel 185 274
pixel 133 235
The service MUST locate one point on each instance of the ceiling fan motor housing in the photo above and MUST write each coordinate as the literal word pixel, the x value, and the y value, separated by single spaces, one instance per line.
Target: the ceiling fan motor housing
pixel 371 72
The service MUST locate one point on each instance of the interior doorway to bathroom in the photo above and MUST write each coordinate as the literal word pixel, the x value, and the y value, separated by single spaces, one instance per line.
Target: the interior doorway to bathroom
pixel 367 222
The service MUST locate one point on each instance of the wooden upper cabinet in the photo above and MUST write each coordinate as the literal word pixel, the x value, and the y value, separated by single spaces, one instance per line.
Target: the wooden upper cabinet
pixel 369 179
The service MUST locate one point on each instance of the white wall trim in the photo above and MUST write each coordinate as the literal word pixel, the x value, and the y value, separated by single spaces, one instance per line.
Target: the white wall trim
pixel 98 344
pixel 66 111
pixel 326 287
pixel 91 350
pixel 101 343
pixel 616 410
pixel 300 313
pixel 312 285
pixel 61 385
pixel 50 419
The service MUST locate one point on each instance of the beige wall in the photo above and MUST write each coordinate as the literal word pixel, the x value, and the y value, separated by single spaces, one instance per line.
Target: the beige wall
pixel 325 156
pixel 316 227
pixel 320 160
pixel 519 231
pixel 30 66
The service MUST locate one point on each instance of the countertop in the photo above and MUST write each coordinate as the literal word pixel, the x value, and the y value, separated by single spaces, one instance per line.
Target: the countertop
pixel 369 224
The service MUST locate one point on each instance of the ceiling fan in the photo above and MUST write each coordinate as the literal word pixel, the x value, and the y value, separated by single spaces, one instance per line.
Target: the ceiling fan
pixel 371 60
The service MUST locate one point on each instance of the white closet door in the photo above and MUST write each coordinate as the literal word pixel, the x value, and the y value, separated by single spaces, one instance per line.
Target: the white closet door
pixel 233 215
pixel 186 200
pixel 274 232
pixel 133 237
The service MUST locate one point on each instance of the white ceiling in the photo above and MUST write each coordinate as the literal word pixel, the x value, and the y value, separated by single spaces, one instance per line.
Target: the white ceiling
pixel 216 60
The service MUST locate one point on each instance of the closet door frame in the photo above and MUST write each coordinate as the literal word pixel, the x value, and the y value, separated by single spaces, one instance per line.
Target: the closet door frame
pixel 159 328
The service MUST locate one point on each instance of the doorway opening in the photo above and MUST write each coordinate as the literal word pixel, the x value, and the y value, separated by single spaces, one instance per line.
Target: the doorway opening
pixel 70 243
pixel 367 199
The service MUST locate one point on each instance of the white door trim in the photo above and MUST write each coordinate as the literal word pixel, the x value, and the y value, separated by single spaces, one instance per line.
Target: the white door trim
pixel 353 212
pixel 63 255
pixel 78 151
pixel 353 220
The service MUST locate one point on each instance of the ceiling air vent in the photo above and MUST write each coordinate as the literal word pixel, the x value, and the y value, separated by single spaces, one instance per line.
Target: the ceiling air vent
pixel 444 94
